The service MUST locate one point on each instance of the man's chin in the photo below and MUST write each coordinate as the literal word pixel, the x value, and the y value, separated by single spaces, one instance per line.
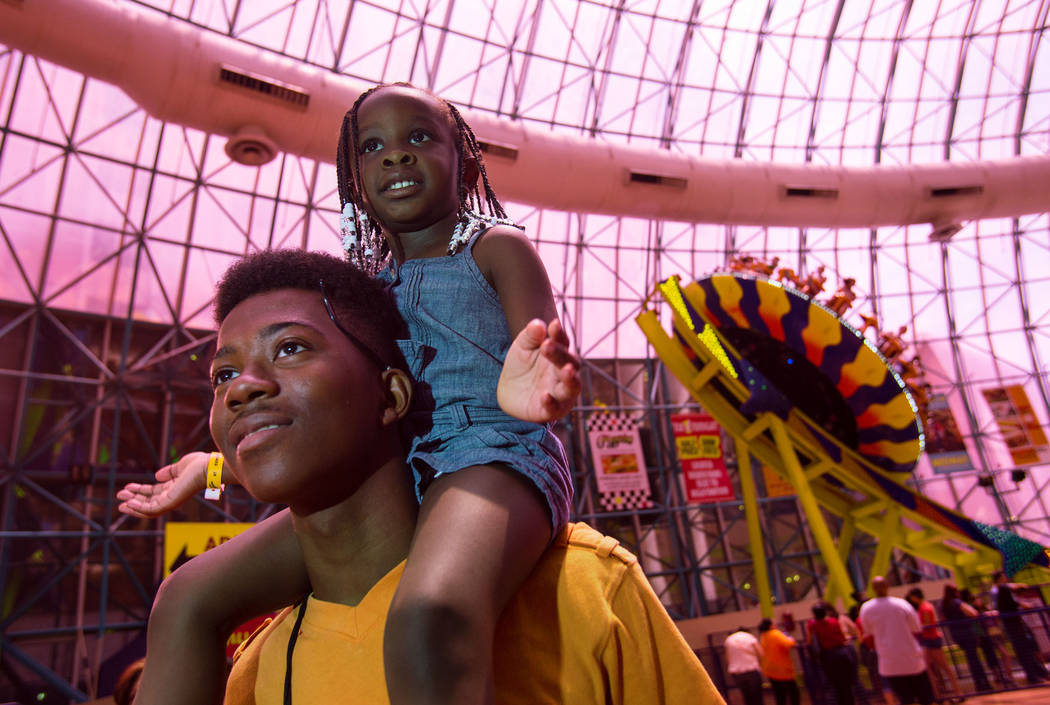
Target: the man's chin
pixel 267 491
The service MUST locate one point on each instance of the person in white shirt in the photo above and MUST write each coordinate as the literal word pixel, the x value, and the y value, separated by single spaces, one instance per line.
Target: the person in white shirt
pixel 744 656
pixel 894 624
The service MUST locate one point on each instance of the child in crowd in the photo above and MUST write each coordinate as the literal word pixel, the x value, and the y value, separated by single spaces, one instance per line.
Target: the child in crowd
pixel 492 370
pixel 942 675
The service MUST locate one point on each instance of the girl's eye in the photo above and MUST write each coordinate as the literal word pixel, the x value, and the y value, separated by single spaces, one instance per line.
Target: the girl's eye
pixel 222 376
pixel 290 347
pixel 370 145
pixel 418 136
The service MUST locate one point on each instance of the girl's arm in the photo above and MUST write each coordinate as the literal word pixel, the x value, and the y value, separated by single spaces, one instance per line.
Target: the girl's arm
pixel 199 604
pixel 540 379
pixel 176 484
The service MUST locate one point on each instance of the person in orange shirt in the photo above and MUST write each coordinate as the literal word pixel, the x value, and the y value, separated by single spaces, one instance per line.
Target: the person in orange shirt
pixel 777 663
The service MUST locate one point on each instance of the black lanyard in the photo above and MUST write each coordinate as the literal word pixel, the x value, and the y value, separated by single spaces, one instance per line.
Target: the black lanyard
pixel 291 648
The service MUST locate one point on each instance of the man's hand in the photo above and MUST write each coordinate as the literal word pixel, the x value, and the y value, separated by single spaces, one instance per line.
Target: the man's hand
pixel 540 379
pixel 176 483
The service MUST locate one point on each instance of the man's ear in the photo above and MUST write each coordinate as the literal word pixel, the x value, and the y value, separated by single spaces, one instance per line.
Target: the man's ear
pixel 398 388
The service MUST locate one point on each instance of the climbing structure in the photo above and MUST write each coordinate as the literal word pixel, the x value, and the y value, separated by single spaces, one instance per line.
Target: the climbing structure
pixel 803 392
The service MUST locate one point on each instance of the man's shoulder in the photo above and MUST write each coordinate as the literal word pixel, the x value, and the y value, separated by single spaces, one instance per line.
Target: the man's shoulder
pixel 741 638
pixel 579 539
pixel 888 603
pixel 564 635
pixel 587 569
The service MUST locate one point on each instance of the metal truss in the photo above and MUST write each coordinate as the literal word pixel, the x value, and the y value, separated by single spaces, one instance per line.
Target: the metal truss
pixel 115 227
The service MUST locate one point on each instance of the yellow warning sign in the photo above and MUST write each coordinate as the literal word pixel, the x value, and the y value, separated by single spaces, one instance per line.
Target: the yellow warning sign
pixel 776 486
pixel 185 539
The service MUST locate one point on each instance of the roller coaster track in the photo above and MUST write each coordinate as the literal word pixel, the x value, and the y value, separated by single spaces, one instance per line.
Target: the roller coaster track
pixel 861 481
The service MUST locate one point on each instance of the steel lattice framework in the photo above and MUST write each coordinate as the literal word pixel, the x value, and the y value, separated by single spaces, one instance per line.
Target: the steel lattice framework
pixel 115 227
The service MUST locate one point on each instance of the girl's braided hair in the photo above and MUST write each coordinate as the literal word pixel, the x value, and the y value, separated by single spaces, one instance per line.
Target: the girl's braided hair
pixel 370 251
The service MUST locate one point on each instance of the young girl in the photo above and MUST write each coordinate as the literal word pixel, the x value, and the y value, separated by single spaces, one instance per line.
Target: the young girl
pixel 490 374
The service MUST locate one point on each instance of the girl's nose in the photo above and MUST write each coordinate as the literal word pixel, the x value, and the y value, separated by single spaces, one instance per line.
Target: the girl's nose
pixel 398 156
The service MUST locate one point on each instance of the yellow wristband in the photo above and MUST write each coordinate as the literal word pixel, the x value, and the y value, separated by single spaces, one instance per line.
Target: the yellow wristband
pixel 214 477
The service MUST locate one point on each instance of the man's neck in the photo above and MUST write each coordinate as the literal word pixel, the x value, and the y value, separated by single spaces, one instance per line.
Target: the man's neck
pixel 350 546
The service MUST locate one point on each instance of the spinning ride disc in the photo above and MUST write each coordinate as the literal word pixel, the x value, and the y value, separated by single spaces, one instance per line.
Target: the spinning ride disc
pixel 827 369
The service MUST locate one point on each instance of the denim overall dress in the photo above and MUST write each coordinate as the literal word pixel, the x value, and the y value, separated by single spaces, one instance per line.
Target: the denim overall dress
pixel 458 338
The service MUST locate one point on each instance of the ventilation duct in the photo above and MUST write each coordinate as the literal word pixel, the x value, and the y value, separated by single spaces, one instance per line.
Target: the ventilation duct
pixel 175 71
pixel 262 85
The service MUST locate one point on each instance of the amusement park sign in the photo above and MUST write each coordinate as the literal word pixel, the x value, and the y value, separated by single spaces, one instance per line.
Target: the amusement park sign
pixel 698 438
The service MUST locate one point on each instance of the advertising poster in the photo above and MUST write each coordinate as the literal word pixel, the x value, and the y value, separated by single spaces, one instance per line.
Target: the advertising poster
pixel 185 539
pixel 776 486
pixel 619 465
pixel 1022 433
pixel 698 438
pixel 944 442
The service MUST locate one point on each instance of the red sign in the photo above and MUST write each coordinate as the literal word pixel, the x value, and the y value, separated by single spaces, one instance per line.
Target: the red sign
pixel 243 632
pixel 698 438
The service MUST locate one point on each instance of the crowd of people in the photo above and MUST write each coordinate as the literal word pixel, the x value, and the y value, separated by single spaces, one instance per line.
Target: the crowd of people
pixel 899 642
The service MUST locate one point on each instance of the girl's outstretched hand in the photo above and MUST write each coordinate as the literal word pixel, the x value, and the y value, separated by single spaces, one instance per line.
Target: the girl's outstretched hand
pixel 540 379
pixel 176 483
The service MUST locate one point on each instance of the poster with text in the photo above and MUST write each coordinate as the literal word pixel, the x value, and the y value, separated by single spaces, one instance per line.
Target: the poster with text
pixel 944 442
pixel 776 486
pixel 1022 433
pixel 185 539
pixel 619 465
pixel 698 438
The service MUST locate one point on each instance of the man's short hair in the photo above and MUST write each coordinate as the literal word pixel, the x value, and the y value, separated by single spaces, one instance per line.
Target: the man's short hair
pixel 362 304
pixel 765 625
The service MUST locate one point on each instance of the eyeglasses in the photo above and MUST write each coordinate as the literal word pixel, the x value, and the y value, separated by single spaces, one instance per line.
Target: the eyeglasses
pixel 358 343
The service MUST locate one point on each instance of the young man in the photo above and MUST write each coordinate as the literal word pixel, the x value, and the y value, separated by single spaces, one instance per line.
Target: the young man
pixel 777 664
pixel 744 663
pixel 307 405
pixel 895 626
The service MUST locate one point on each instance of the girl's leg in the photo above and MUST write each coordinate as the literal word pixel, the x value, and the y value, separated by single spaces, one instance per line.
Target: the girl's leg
pixel 992 659
pixel 940 662
pixel 480 532
pixel 935 680
pixel 999 643
pixel 973 662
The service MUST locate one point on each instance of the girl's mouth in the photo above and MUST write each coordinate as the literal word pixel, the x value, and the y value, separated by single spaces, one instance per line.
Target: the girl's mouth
pixel 398 186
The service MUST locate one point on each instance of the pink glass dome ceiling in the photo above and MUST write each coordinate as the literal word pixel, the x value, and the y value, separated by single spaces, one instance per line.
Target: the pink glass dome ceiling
pixel 104 208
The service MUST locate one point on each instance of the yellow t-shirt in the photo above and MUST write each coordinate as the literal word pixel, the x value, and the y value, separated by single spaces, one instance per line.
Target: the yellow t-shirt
pixel 586 627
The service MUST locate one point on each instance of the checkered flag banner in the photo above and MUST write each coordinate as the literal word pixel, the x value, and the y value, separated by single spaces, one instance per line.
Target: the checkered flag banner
pixel 619 465
pixel 611 421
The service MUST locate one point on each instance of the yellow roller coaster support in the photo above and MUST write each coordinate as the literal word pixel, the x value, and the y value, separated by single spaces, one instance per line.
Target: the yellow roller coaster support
pixel 698 357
